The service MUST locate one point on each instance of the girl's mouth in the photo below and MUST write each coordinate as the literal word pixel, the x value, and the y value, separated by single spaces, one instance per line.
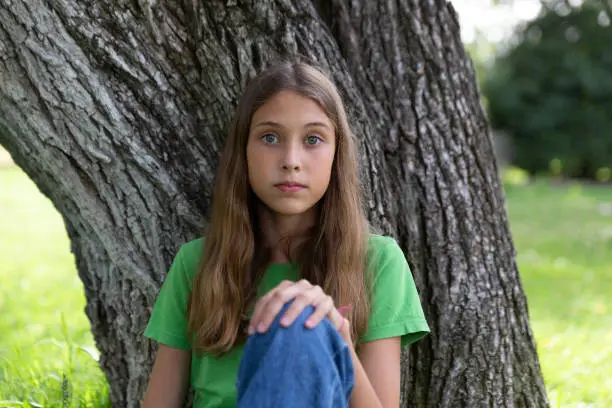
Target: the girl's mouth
pixel 289 187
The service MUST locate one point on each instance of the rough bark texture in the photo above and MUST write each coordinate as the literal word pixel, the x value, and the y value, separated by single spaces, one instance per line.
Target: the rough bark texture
pixel 117 110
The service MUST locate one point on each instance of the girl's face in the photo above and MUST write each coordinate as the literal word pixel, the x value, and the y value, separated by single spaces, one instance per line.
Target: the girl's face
pixel 290 151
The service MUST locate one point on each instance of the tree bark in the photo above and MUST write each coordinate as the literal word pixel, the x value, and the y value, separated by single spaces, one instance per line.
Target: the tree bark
pixel 118 109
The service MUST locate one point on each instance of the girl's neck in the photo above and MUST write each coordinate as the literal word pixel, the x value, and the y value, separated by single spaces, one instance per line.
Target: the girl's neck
pixel 279 230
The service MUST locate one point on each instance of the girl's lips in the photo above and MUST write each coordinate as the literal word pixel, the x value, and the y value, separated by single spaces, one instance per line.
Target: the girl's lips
pixel 289 188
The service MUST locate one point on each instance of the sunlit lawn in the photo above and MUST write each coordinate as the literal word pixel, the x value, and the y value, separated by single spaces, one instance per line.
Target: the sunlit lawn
pixel 40 362
pixel 564 241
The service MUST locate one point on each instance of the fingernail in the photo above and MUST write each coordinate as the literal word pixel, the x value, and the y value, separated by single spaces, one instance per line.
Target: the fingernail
pixel 309 323
pixel 261 328
pixel 284 321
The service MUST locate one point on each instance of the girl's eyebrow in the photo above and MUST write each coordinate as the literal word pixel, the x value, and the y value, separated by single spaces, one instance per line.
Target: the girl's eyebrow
pixel 278 125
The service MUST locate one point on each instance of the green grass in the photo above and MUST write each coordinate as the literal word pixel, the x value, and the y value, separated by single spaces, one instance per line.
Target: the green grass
pixel 562 236
pixel 43 362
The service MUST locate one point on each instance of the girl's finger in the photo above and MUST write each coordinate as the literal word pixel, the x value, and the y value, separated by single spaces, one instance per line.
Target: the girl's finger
pixel 336 318
pixel 261 304
pixel 312 296
pixel 275 303
pixel 324 308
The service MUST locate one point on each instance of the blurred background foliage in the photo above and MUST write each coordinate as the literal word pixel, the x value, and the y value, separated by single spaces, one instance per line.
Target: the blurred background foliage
pixel 549 90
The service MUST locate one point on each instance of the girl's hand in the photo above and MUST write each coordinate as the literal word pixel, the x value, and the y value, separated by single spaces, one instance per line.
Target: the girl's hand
pixel 303 294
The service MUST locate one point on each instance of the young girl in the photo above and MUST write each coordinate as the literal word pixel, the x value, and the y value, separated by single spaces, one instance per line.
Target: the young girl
pixel 289 300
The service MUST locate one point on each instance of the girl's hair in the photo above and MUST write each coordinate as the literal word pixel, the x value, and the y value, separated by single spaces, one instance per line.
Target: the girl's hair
pixel 234 257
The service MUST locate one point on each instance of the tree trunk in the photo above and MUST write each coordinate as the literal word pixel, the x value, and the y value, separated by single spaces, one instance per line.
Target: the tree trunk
pixel 118 109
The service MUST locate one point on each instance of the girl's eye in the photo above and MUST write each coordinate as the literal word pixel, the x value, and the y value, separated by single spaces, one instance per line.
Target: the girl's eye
pixel 269 138
pixel 313 140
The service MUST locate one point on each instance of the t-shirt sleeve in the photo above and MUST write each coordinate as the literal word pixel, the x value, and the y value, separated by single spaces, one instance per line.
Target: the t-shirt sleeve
pixel 396 308
pixel 168 322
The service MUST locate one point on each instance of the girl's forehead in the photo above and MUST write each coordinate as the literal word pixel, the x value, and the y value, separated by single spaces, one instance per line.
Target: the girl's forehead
pixel 291 107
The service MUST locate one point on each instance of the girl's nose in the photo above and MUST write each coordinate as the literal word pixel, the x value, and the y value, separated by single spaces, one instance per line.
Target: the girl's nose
pixel 291 158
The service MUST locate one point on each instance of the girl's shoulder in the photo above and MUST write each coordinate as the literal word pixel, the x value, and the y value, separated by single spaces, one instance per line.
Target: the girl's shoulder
pixel 193 248
pixel 382 250
pixel 190 254
pixel 382 246
pixel 377 240
pixel 385 256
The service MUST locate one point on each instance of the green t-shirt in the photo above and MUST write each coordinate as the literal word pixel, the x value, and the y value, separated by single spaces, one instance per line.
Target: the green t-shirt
pixel 396 311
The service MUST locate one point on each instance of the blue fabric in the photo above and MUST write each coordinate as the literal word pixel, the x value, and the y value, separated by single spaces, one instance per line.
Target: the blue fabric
pixel 295 367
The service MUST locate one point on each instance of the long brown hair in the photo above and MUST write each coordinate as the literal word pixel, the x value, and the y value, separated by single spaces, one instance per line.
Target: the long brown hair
pixel 234 258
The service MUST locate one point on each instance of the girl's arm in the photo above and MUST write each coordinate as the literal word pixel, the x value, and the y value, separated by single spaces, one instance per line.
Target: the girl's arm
pixel 169 380
pixel 377 374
